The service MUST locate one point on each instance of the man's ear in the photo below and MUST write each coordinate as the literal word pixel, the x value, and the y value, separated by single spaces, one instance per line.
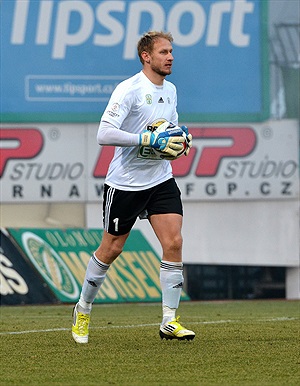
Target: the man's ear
pixel 146 57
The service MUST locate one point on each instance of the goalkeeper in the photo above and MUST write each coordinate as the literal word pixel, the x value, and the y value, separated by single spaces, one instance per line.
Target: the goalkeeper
pixel 139 181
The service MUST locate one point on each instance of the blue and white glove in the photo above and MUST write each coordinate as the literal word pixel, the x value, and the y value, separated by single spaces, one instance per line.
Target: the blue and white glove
pixel 188 139
pixel 168 141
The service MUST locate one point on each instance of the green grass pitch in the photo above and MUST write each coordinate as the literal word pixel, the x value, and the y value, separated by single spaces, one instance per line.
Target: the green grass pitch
pixel 237 343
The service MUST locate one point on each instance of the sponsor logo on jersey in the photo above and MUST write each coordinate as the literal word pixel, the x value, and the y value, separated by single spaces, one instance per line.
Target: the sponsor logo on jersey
pixel 115 107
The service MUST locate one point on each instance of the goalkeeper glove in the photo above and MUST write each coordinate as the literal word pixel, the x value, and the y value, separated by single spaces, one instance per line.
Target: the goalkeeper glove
pixel 164 141
pixel 188 139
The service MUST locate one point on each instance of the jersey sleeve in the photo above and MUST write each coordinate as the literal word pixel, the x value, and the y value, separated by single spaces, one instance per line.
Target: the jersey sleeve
pixel 110 135
pixel 119 106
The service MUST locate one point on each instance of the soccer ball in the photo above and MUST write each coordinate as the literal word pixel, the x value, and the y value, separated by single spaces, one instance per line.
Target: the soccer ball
pixel 173 130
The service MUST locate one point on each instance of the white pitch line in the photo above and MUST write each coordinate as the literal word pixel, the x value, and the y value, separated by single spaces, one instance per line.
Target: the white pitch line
pixel 69 329
pixel 279 319
pixel 33 331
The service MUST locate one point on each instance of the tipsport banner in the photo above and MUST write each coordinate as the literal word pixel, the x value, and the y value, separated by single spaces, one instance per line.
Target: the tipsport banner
pixel 61 256
pixel 62 59
pixel 227 162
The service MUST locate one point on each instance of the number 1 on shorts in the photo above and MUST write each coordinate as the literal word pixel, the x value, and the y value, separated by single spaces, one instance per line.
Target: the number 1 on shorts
pixel 116 222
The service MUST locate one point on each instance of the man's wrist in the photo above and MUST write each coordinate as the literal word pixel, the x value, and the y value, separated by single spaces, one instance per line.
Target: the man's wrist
pixel 145 138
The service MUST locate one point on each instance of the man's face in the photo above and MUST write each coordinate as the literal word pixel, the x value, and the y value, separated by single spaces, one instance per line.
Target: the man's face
pixel 161 57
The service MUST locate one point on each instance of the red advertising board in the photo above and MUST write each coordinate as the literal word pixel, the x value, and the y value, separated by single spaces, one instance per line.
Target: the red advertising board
pixel 63 163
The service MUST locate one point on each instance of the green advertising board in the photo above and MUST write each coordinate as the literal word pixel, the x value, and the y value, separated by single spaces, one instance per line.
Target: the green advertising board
pixel 61 256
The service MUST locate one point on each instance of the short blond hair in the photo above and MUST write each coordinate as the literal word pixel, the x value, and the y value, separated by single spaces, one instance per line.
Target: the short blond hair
pixel 146 42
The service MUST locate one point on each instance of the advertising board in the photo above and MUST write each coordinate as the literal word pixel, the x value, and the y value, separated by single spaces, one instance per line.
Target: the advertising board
pixel 20 283
pixel 61 256
pixel 62 59
pixel 63 163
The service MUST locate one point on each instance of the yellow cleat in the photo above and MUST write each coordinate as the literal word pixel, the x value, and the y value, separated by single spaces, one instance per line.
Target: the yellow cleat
pixel 174 330
pixel 80 326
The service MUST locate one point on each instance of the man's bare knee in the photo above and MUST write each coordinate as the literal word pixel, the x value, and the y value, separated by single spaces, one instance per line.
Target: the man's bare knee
pixel 172 247
pixel 174 243
pixel 116 249
pixel 110 248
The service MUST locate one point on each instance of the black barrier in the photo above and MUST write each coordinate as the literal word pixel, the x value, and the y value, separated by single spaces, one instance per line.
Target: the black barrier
pixel 20 283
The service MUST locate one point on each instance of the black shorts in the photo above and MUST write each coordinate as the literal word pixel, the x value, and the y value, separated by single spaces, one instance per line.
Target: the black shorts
pixel 122 208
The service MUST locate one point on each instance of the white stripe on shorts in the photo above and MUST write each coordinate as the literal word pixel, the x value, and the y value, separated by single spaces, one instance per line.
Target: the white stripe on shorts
pixel 109 199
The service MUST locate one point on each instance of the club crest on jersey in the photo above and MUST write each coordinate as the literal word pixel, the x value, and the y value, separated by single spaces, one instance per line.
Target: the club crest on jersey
pixel 148 99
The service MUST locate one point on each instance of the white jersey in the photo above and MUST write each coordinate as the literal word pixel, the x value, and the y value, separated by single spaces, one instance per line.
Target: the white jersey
pixel 135 104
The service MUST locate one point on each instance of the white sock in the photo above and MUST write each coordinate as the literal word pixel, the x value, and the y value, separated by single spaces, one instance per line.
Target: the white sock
pixel 168 314
pixel 94 277
pixel 171 280
pixel 83 306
